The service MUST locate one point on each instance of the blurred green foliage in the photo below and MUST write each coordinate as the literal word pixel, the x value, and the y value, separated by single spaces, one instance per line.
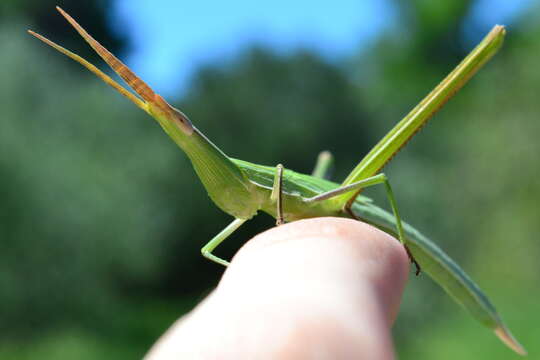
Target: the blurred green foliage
pixel 40 14
pixel 102 217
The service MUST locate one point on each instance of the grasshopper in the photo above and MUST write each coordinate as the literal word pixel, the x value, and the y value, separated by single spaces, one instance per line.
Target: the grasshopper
pixel 242 189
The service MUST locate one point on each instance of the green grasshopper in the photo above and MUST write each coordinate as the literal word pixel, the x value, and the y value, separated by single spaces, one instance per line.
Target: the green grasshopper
pixel 241 189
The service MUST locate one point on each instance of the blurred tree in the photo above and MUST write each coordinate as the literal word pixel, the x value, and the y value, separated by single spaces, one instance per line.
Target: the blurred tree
pixel 422 45
pixel 59 260
pixel 41 14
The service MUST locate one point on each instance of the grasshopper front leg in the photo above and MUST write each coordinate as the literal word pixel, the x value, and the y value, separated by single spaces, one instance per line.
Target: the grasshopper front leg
pixel 207 249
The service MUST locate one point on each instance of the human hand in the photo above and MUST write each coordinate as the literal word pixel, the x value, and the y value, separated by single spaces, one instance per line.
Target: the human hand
pixel 322 288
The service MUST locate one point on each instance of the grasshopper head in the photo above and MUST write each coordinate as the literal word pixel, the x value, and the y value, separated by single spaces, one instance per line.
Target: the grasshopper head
pixel 161 109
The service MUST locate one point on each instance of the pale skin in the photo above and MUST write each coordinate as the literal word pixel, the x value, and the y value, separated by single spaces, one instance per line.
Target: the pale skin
pixel 324 288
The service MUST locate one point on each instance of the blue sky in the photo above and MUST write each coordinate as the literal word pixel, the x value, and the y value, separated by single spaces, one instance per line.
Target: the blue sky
pixel 171 38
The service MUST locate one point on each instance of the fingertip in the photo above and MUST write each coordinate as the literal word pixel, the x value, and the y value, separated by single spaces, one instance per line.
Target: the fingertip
pixel 358 241
pixel 339 251
pixel 325 287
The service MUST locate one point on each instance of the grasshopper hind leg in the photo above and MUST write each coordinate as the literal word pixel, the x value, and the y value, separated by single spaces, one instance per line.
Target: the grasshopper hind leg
pixel 356 188
pixel 418 268
pixel 413 261
pixel 393 204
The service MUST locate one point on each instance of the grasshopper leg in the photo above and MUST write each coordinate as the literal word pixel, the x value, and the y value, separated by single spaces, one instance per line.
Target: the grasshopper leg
pixel 277 194
pixel 207 249
pixel 413 260
pixel 323 167
pixel 357 186
pixel 393 204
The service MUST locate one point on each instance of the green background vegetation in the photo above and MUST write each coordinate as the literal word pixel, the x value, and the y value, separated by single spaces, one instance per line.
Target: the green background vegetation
pixel 102 217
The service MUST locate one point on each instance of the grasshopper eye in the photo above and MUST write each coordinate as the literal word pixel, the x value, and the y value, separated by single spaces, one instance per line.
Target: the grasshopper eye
pixel 182 120
pixel 171 114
